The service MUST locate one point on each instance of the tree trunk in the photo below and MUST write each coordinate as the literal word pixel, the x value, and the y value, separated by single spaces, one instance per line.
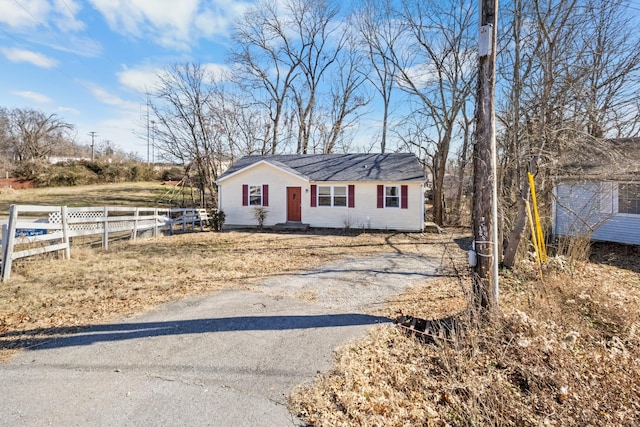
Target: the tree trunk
pixel 516 234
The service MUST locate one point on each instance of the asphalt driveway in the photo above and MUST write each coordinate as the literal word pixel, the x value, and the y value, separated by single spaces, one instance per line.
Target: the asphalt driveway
pixel 229 359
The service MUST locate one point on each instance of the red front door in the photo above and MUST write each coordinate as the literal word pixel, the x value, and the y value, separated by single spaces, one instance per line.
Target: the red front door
pixel 294 204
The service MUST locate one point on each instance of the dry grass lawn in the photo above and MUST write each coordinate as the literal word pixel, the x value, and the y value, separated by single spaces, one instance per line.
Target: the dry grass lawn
pixel 139 194
pixel 559 353
pixel 563 351
pixel 47 296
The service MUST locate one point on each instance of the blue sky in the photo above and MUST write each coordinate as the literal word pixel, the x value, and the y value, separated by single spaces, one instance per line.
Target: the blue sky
pixel 90 61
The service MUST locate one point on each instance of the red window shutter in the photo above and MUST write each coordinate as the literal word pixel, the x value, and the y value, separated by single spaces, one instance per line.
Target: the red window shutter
pixel 245 195
pixel 314 192
pixel 352 196
pixel 404 197
pixel 380 196
pixel 265 195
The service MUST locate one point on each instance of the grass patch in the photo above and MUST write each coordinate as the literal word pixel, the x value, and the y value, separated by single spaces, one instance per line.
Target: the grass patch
pixel 47 296
pixel 139 194
pixel 565 352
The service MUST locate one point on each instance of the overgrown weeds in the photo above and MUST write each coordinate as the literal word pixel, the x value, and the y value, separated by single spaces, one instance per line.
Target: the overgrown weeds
pixel 565 352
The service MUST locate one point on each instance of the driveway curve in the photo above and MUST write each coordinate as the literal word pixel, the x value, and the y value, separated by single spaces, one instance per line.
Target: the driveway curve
pixel 228 359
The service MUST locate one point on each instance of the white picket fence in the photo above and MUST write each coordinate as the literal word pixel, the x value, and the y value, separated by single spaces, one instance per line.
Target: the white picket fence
pixel 54 226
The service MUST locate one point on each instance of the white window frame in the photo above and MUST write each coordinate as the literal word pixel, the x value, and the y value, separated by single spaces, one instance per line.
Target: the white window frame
pixel 332 196
pixel 397 196
pixel 251 196
pixel 620 196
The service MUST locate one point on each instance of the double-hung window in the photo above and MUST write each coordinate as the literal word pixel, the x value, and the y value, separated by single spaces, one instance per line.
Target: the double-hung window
pixel 392 196
pixel 255 195
pixel 629 199
pixel 335 196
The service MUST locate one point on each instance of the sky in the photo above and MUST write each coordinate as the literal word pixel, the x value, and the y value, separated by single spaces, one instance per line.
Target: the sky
pixel 90 61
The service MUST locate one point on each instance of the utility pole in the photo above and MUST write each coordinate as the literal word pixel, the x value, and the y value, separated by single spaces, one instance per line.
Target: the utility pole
pixel 93 137
pixel 485 197
pixel 153 141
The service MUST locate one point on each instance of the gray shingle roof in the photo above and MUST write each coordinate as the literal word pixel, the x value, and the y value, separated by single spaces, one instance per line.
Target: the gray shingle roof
pixel 391 167
pixel 616 158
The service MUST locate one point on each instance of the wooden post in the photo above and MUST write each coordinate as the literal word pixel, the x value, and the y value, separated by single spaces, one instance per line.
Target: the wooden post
pixel 485 279
pixel 105 232
pixel 5 233
pixel 7 255
pixel 155 222
pixel 64 220
pixel 184 220
pixel 135 224
pixel 3 254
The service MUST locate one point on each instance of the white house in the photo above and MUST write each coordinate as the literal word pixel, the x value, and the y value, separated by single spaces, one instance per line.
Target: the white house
pixel 365 191
pixel 601 198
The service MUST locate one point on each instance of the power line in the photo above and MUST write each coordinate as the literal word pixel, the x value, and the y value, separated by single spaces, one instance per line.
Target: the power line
pixel 86 31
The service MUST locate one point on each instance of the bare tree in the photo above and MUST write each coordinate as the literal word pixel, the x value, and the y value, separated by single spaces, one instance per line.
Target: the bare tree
pixel 31 136
pixel 316 47
pixel 609 70
pixel 181 104
pixel 568 85
pixel 436 66
pixel 379 32
pixel 243 127
pixel 267 69
pixel 348 96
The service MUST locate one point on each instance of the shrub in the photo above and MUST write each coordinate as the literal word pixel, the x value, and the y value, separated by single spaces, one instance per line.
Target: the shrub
pixel 260 214
pixel 217 219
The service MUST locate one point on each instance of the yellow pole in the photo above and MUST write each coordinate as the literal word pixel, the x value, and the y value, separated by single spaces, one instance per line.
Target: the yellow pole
pixel 534 239
pixel 542 250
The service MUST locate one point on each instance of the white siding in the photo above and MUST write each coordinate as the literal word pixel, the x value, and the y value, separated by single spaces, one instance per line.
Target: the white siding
pixel 591 208
pixel 365 214
pixel 230 195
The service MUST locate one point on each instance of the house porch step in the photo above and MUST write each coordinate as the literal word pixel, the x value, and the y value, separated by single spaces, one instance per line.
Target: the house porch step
pixel 291 226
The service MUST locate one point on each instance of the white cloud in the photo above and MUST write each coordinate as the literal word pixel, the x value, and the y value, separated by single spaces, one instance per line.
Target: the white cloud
pixel 69 110
pixel 65 17
pixel 105 96
pixel 23 55
pixel 29 13
pixel 145 78
pixel 32 96
pixel 141 79
pixel 169 23
pixel 218 72
pixel 82 46
pixel 422 75
pixel 51 23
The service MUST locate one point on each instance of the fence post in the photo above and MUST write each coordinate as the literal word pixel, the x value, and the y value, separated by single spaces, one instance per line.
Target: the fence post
pixel 8 247
pixel 155 222
pixel 64 220
pixel 135 224
pixel 105 234
pixel 5 236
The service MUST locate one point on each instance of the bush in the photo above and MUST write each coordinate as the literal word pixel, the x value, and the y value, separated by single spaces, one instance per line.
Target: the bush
pixel 260 214
pixel 61 175
pixel 217 219
pixel 174 173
